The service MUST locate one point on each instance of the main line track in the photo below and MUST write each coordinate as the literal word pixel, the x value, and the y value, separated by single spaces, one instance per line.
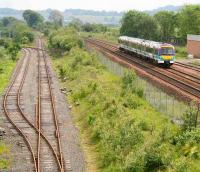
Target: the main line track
pixel 188 84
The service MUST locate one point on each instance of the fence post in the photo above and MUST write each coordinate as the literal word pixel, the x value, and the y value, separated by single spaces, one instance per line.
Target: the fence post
pixel 196 120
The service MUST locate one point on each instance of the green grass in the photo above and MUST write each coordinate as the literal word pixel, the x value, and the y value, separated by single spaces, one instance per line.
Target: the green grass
pixel 126 133
pixel 6 68
pixel 181 52
pixel 4 156
pixel 196 63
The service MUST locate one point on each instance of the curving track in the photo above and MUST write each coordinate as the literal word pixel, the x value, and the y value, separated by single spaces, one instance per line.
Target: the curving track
pixel 185 81
pixel 42 135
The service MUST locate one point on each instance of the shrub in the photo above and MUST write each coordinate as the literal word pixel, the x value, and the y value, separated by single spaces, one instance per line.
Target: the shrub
pixel 65 40
pixel 140 92
pixel 144 126
pixel 154 158
pixel 190 118
pixel 132 102
pixel 128 79
pixel 185 137
pixel 62 73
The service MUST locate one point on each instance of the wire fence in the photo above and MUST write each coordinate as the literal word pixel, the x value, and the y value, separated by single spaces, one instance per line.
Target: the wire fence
pixel 159 99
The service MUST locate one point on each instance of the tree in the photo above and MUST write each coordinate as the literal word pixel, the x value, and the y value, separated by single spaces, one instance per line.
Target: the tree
pixel 76 23
pixel 87 27
pixel 166 21
pixel 189 20
pixel 139 24
pixel 7 21
pixel 32 18
pixel 56 17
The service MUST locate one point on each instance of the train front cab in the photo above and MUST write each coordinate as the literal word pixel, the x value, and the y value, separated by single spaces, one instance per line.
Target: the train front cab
pixel 166 55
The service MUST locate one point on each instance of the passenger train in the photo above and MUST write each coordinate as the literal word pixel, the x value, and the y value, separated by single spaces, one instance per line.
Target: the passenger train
pixel 161 53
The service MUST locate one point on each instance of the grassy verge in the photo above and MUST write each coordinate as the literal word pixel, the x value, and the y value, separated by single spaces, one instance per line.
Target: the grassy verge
pixel 4 156
pixel 6 68
pixel 181 52
pixel 123 131
pixel 196 63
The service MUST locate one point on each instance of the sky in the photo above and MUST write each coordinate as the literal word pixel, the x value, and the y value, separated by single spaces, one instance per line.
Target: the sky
pixel 108 5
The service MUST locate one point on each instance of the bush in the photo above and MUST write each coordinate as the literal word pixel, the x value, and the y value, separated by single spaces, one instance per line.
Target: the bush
pixel 65 40
pixel 62 73
pixel 128 79
pixel 188 137
pixel 156 157
pixel 181 52
pixel 190 118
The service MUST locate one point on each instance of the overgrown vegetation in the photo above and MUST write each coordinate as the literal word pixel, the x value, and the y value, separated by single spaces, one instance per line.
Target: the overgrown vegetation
pixel 4 158
pixel 129 135
pixel 6 67
pixel 196 63
pixel 64 39
pixel 14 34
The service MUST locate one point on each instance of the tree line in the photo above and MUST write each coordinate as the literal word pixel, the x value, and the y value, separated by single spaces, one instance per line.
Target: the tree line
pixel 13 34
pixel 163 25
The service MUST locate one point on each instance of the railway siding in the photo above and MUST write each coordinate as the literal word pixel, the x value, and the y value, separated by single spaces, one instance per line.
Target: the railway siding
pixel 44 130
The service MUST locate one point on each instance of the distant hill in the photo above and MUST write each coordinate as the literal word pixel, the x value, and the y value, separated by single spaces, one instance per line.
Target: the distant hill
pixel 4 12
pixel 91 16
pixel 165 8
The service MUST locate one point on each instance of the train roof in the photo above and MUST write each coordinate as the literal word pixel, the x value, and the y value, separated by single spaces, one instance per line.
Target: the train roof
pixel 147 43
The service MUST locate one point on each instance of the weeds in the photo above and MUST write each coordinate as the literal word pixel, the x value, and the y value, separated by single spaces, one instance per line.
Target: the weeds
pixel 62 73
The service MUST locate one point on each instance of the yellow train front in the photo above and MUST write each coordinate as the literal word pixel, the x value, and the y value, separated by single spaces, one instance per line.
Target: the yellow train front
pixel 165 55
pixel 161 53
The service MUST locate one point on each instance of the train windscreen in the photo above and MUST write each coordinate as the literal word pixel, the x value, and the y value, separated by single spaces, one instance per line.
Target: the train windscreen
pixel 167 51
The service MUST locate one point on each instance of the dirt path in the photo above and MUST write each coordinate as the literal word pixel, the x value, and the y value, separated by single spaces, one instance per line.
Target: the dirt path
pixel 21 158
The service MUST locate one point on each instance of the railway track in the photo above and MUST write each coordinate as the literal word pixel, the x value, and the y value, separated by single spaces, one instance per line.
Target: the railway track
pixel 45 103
pixel 188 66
pixel 188 83
pixel 41 136
pixel 173 68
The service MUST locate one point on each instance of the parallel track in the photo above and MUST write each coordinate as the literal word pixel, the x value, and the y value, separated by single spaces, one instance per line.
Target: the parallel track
pixel 45 94
pixel 190 86
pixel 15 115
pixel 183 65
pixel 188 66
